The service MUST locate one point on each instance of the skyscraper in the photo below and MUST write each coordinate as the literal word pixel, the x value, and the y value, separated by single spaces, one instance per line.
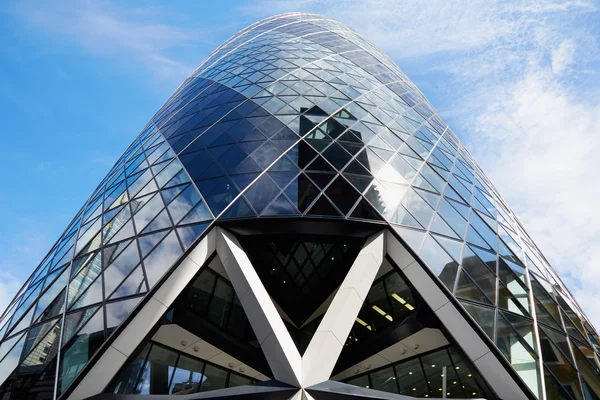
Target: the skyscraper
pixel 296 221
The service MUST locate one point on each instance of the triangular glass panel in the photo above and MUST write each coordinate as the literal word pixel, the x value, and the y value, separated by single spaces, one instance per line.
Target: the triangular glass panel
pixel 148 211
pixel 12 357
pixel 559 340
pixel 555 389
pixel 169 194
pixel 323 207
pixel 199 213
pixel 485 317
pixel 23 323
pixel 282 179
pixel 412 237
pixel 76 320
pixel 45 350
pixel 509 269
pixel 431 198
pixel 436 258
pixel 36 334
pixel 358 181
pixel 517 349
pixel 84 278
pixel 110 253
pixel 162 221
pixel 77 351
pixel 183 203
pixel 238 209
pixel 403 217
pixel 261 193
pixel 544 317
pixel 220 195
pixel 467 289
pixel 181 177
pixel 147 243
pixel 452 247
pixel 149 188
pixel 56 307
pixel 342 194
pixel 422 212
pixel 92 295
pixel 508 302
pixel 107 216
pixel 571 329
pixel 8 344
pixel 440 226
pixel 243 180
pixel 363 210
pixel 161 258
pixel 188 234
pixel 117 312
pixel 281 206
pixel 124 232
pixel 51 293
pixel 474 238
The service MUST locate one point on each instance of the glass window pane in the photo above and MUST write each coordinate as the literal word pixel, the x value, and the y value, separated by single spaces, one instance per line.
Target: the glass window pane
pixel 411 378
pixel 238 380
pixel 157 371
pixel 187 377
pixel 220 303
pixel 215 378
pixel 126 381
pixel 80 349
pixel 385 380
pixel 161 258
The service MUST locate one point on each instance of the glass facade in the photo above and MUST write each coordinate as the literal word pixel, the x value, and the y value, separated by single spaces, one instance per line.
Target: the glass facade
pixel 295 117
pixel 158 369
pixel 423 377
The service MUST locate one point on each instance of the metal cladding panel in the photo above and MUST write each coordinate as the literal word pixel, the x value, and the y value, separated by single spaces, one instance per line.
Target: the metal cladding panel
pixel 295 116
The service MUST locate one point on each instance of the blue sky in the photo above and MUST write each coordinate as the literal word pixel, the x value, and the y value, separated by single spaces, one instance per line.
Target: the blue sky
pixel 517 81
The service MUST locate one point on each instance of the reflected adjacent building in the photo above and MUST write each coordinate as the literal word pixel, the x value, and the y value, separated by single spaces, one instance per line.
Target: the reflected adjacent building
pixel 296 221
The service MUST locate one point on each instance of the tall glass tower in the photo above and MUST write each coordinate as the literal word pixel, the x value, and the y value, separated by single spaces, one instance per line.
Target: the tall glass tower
pixel 296 222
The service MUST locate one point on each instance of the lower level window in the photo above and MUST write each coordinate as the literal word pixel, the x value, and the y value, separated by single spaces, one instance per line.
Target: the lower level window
pixel 158 369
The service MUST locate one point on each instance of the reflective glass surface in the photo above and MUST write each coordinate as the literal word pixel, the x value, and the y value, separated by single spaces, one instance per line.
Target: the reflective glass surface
pixel 423 376
pixel 296 116
pixel 157 369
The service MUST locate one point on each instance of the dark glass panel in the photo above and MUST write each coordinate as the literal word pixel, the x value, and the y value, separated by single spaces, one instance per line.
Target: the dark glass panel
pixel 77 352
pixel 412 379
pixel 561 368
pixel 214 378
pixel 484 317
pixel 301 272
pixel 126 382
pixel 385 380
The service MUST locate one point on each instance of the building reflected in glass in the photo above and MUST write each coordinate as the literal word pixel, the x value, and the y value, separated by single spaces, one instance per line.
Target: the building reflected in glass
pixel 296 216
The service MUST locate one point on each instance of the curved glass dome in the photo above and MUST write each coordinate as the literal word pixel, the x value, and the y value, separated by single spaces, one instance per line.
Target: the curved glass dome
pixel 296 116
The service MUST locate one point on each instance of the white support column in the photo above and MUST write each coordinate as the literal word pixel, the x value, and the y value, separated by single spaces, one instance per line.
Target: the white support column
pixel 136 330
pixel 328 341
pixel 275 340
pixel 464 335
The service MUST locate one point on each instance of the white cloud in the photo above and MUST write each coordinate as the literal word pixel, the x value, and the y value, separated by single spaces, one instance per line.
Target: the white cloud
pixel 539 144
pixel 509 76
pixel 135 35
pixel 563 57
